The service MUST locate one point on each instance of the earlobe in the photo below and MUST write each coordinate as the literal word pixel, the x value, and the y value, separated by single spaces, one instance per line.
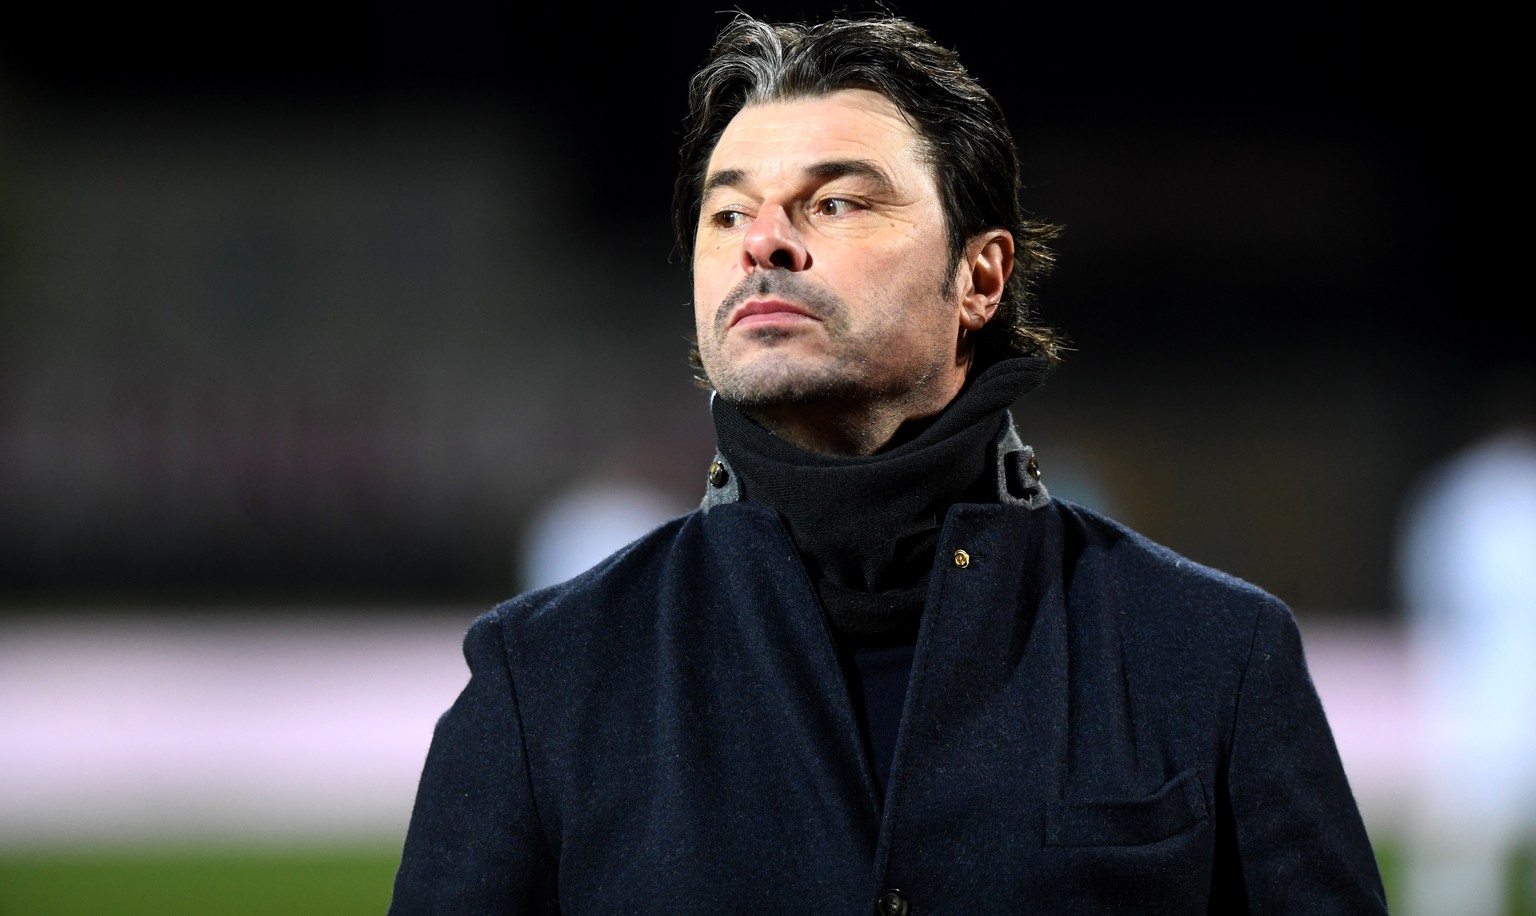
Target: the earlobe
pixel 989 258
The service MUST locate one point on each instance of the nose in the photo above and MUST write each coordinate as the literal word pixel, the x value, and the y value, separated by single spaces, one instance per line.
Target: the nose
pixel 773 241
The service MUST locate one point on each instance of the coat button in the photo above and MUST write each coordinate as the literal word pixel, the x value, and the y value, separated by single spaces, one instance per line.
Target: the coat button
pixel 893 903
pixel 1032 467
pixel 962 559
pixel 718 475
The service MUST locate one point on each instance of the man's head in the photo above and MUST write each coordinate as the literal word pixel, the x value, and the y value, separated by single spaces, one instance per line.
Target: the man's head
pixel 849 197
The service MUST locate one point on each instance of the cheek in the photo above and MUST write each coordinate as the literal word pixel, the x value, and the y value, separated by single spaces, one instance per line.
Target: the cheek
pixel 711 282
pixel 705 301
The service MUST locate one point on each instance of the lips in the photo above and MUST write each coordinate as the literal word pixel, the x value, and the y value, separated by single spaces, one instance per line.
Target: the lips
pixel 764 311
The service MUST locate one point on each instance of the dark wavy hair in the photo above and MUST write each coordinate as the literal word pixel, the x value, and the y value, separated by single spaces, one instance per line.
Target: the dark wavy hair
pixel 961 126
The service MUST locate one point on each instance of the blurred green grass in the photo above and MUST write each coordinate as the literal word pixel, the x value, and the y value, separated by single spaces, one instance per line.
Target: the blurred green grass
pixel 322 881
pixel 198 881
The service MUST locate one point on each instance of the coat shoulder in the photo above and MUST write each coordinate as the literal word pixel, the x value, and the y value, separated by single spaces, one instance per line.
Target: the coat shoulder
pixel 1154 579
pixel 613 584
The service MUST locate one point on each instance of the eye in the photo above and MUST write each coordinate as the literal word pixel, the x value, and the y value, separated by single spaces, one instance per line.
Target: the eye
pixel 727 219
pixel 834 206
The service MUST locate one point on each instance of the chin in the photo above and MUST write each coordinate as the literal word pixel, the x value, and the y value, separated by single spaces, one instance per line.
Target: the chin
pixel 780 376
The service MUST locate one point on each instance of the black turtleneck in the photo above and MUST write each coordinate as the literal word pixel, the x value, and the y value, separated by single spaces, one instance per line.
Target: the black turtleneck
pixel 867 526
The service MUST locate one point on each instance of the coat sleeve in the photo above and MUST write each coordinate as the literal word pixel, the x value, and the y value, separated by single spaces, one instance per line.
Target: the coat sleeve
pixel 1301 844
pixel 474 843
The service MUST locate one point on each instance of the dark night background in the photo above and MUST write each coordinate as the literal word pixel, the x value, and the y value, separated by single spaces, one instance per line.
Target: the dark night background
pixel 320 302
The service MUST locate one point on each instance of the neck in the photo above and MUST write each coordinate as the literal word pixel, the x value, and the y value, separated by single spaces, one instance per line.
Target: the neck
pixel 828 430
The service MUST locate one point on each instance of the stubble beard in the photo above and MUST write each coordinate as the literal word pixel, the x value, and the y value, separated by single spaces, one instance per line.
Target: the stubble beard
pixel 772 378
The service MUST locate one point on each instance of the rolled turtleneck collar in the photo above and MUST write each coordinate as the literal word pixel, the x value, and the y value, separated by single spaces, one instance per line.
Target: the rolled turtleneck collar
pixel 867 526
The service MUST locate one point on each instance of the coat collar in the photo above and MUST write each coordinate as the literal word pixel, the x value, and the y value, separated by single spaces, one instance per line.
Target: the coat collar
pixel 1016 471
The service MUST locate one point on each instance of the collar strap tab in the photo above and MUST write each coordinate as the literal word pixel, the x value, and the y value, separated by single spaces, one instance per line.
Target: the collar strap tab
pixel 1018 475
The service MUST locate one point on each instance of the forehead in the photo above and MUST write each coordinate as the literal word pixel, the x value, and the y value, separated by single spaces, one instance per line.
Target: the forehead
pixel 790 135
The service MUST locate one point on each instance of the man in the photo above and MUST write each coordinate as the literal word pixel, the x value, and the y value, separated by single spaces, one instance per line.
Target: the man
pixel 879 669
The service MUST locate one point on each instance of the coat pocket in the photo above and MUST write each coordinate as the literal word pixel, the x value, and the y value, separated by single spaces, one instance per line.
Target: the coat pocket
pixel 1175 807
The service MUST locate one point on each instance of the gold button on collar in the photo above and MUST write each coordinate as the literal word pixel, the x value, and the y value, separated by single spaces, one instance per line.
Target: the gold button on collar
pixel 962 559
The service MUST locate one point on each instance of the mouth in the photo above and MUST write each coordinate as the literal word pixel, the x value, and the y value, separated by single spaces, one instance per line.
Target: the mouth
pixel 769 311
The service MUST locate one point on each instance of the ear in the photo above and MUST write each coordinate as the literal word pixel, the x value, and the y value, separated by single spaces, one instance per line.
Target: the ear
pixel 984 273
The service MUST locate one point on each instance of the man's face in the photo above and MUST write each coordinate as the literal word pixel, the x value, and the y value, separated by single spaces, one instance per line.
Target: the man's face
pixel 822 271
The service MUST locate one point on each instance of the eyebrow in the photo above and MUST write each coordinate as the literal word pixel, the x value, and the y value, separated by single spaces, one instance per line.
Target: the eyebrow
pixel 825 171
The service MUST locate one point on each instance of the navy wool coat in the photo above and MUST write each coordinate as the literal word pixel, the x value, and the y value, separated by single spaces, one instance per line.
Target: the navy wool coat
pixel 1094 724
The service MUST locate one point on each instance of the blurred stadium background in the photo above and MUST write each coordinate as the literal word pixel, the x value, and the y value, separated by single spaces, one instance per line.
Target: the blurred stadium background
pixel 322 329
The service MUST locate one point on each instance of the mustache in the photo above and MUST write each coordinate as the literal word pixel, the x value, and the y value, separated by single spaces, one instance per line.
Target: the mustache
pixel 821 302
